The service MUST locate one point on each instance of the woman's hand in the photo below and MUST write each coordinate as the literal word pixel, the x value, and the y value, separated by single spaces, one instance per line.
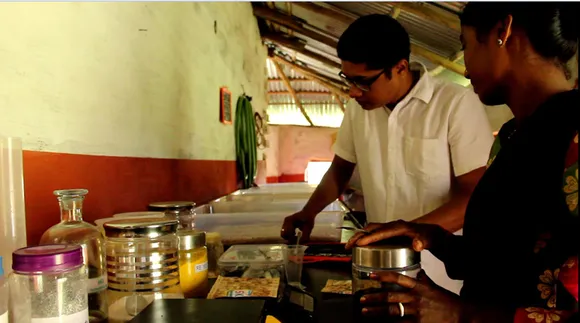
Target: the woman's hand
pixel 423 235
pixel 423 302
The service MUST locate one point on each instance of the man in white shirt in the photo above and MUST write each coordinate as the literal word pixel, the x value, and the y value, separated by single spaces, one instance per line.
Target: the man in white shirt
pixel 420 144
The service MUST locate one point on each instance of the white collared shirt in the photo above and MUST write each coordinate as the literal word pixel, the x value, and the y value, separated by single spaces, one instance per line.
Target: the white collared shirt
pixel 408 157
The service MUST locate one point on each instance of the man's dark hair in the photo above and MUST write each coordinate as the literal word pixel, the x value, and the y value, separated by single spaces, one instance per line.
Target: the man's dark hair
pixel 379 41
pixel 551 27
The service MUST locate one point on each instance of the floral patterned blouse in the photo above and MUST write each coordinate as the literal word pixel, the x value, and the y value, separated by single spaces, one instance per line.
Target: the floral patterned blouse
pixel 521 223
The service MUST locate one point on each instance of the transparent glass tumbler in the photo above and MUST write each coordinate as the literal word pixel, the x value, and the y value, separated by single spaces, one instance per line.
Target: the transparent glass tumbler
pixel 294 265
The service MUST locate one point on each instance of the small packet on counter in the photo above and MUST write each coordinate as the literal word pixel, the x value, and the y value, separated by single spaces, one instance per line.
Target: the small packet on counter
pixel 238 287
pixel 342 287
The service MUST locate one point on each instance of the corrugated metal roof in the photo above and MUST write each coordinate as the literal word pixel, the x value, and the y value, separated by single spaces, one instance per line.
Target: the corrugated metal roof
pixel 323 114
pixel 455 7
pixel 431 35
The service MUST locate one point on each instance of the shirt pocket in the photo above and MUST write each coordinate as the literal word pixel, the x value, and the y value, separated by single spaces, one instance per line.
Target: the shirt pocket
pixel 425 158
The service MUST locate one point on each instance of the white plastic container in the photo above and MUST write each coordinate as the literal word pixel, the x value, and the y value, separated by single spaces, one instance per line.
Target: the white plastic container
pixel 245 207
pixel 3 296
pixel 266 196
pixel 264 227
pixel 254 261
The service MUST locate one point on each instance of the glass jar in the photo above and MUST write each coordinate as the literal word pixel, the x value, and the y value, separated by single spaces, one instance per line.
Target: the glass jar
pixel 391 255
pixel 49 284
pixel 183 211
pixel 215 250
pixel 193 263
pixel 73 230
pixel 3 296
pixel 142 264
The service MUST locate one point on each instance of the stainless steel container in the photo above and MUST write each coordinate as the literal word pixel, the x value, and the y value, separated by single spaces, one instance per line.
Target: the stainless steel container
pixel 391 255
pixel 142 264
pixel 183 211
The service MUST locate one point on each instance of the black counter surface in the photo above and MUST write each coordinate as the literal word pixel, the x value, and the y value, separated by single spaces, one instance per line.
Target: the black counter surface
pixel 202 311
pixel 328 308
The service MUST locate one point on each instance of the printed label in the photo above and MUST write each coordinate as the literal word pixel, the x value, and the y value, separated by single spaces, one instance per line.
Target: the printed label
pixel 4 317
pixel 95 285
pixel 201 267
pixel 239 293
pixel 80 317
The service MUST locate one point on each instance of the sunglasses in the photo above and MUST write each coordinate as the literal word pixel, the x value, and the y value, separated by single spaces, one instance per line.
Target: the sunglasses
pixel 362 84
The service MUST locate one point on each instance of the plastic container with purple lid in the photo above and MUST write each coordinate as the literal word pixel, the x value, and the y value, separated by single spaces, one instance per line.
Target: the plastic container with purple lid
pixel 48 258
pixel 49 283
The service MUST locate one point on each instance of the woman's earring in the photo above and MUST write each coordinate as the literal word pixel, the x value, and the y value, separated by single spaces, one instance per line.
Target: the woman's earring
pixel 499 42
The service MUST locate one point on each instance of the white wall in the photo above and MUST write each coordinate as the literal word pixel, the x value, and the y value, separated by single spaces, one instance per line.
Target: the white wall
pixel 127 79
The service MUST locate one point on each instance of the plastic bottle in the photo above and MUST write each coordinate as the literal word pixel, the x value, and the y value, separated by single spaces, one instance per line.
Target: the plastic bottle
pixel 3 296
pixel 12 213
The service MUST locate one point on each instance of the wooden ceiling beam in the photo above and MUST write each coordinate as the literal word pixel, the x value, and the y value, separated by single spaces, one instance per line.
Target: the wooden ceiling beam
pixel 314 76
pixel 300 47
pixel 291 90
pixel 291 80
pixel 396 11
pixel 439 69
pixel 340 103
pixel 430 13
pixel 344 18
pixel 300 92
pixel 291 23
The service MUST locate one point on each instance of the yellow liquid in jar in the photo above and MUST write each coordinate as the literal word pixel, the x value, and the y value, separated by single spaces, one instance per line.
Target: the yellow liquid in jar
pixel 193 272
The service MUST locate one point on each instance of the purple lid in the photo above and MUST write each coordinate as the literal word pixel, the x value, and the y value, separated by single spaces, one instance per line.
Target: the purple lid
pixel 48 258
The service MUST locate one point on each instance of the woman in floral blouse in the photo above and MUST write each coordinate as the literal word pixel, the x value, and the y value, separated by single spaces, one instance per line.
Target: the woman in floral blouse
pixel 518 255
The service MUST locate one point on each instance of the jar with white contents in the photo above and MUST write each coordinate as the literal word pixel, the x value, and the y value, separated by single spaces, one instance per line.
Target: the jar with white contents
pixel 49 285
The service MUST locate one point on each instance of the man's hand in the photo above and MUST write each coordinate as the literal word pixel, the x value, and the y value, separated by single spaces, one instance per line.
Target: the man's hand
pixel 424 302
pixel 423 235
pixel 299 220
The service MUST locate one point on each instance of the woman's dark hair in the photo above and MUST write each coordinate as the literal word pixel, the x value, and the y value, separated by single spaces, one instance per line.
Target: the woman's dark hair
pixel 379 41
pixel 551 27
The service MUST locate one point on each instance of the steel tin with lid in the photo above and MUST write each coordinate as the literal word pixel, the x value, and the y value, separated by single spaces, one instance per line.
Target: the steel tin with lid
pixel 142 263
pixel 387 255
pixel 183 211
pixel 140 228
pixel 395 254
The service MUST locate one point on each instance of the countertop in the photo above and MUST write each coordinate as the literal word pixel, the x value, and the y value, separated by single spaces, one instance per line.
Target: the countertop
pixel 328 308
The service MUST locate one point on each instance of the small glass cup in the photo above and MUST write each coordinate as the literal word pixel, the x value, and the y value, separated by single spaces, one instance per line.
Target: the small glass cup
pixel 294 265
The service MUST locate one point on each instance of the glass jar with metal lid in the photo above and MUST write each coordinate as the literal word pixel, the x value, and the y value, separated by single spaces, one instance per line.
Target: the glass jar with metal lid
pixel 215 249
pixel 142 264
pixel 183 211
pixel 394 254
pixel 193 265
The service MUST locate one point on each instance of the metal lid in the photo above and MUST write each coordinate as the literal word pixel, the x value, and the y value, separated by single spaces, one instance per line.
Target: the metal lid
pixel 213 237
pixel 191 239
pixel 139 228
pixel 172 205
pixel 47 258
pixel 389 254
pixel 141 213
